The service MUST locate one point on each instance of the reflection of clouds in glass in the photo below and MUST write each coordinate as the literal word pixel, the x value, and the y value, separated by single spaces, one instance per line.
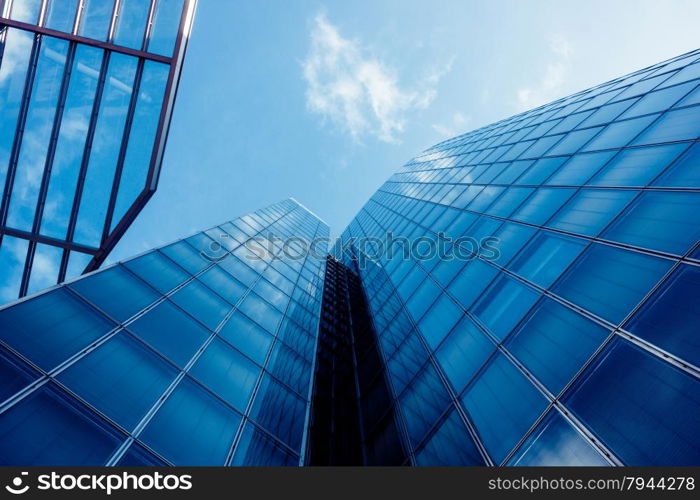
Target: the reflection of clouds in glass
pixel 44 267
pixel 13 253
pixel 15 59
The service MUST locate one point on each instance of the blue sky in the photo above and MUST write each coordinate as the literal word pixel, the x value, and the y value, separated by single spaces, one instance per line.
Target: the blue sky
pixel 322 101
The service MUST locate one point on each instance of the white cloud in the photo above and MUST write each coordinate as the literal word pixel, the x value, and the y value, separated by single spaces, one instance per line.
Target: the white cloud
pixel 359 93
pixel 456 126
pixel 555 75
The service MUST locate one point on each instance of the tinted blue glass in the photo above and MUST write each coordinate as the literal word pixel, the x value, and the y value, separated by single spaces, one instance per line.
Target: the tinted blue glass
pixel 261 312
pixel 450 445
pixel 608 113
pixel 116 291
pixel 580 168
pixel 660 221
pixel 675 125
pixel 170 331
pixel 165 27
pixel 554 342
pixel 192 427
pixel 503 405
pixel 511 238
pixel 247 336
pixel 473 279
pixel 138 456
pixel 420 301
pixel 573 141
pixel 619 134
pixel 14 373
pixel 556 442
pixel 95 18
pixel 158 271
pixel 223 284
pixel 439 320
pixel 202 303
pixel 660 100
pixel 669 318
pixel 52 327
pixel 613 400
pixel 504 304
pixel 547 255
pixel 61 15
pixel 685 172
pixel 508 202
pixel 541 205
pixel 226 372
pixel 609 281
pixel 131 23
pixel 26 11
pixel 541 170
pixel 186 256
pixel 280 411
pixel 122 378
pixel 290 368
pixel 48 428
pixel 590 210
pixel 45 267
pixel 463 353
pixel 637 167
pixel 256 448
pixel 423 402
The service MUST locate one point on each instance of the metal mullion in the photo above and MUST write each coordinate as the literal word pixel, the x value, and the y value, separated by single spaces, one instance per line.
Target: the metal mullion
pixel 149 25
pixel 116 11
pixel 77 16
pixel 126 134
pixel 43 11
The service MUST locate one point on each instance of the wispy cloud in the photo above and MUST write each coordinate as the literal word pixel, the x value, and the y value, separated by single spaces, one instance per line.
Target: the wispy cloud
pixel 357 91
pixel 555 75
pixel 456 126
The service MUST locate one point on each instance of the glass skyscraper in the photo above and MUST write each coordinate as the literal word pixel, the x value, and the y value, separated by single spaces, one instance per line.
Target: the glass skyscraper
pixel 523 294
pixel 87 89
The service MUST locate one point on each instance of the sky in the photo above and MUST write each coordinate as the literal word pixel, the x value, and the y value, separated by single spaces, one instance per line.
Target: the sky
pixel 323 101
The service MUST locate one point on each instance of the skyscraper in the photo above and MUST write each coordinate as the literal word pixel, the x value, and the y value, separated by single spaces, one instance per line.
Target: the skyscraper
pixel 87 89
pixel 523 294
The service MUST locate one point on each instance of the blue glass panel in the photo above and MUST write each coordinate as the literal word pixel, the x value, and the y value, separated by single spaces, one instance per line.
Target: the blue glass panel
pixel 511 238
pixel 165 27
pixel 37 133
pixel 192 427
pixel 131 23
pixel 102 288
pixel 542 204
pixel 619 134
pixel 660 221
pixel 637 167
pixel 675 125
pixel 14 373
pixel 142 137
pixel 171 332
pixel 504 304
pixel 61 15
pixel 660 100
pixel 223 284
pixel 439 320
pixel 202 303
pixel 685 172
pixel 547 255
pixel 138 456
pixel 609 281
pixel 613 400
pixel 512 172
pixel 122 378
pixel 450 445
pixel 509 201
pixel 608 112
pixel 574 140
pixel 227 373
pixel 589 211
pixel 71 140
pixel 158 271
pixel 580 168
pixel 554 342
pixel 471 282
pixel 247 336
pixel 503 405
pixel 556 443
pixel 420 301
pixel 423 402
pixel 463 353
pixel 45 267
pixel 95 19
pixel 261 312
pixel 541 170
pixel 49 428
pixel 186 256
pixel 50 328
pixel 26 11
pixel 280 411
pixel 290 368
pixel 670 317
pixel 77 262
pixel 256 448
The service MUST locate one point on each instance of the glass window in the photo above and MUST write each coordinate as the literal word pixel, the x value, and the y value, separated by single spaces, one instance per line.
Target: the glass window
pixel 256 448
pixel 14 373
pixel 226 372
pixel 439 320
pixel 138 456
pixel 49 428
pixel 95 19
pixel 61 15
pixel 503 305
pixel 554 342
pixel 223 284
pixel 186 256
pixel 503 405
pixel 202 303
pixel 473 280
pixel 542 204
pixel 685 172
pixel 247 336
pixel 580 168
pixel 131 23
pixel 556 443
pixel 590 210
pixel 423 402
pixel 613 400
pixel 610 281
pixel 77 262
pixel 660 100
pixel 450 445
pixel 660 221
pixel 261 312
pixel 463 353
pixel 50 328
pixel 13 253
pixel 290 368
pixel 26 11
pixel 116 291
pixel 619 134
pixel 122 378
pixel 158 271
pixel 192 427
pixel 547 255
pixel 509 201
pixel 171 332
pixel 510 239
pixel 574 140
pixel 608 112
pixel 637 167
pixel 165 27
pixel 670 317
pixel 675 125
pixel 280 411
pixel 421 299
pixel 512 172
pixel 45 267
pixel 541 170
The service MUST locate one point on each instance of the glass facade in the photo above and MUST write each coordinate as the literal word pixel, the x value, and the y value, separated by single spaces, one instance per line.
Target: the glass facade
pixel 198 353
pixel 86 92
pixel 523 294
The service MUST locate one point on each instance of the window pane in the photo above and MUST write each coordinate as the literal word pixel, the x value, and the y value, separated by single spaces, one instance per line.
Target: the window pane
pixel 95 19
pixel 439 320
pixel 280 411
pixel 590 210
pixel 613 400
pixel 192 427
pixel 138 456
pixel 619 134
pixel 158 271
pixel 202 303
pixel 103 287
pixel 546 257
pixel 186 256
pixel 541 205
pixel 554 342
pixel 14 373
pixel 609 281
pixel 122 378
pixel 473 279
pixel 290 368
pixel 503 304
pixel 26 11
pixel 685 172
pixel 261 312
pixel 227 373
pixel 50 328
pixel 423 402
pixel 257 449
pixel 670 317
pixel 580 168
pixel 673 126
pixel 171 332
pixel 503 405
pixel 450 445
pixel 165 27
pixel 45 267
pixel 48 428
pixel 61 15
pixel 223 284
pixel 131 23
pixel 637 167
pixel 247 336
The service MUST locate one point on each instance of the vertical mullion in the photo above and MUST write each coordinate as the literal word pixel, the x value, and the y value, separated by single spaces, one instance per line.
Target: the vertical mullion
pixel 78 14
pixel 113 23
pixel 122 151
pixel 43 11
pixel 149 25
